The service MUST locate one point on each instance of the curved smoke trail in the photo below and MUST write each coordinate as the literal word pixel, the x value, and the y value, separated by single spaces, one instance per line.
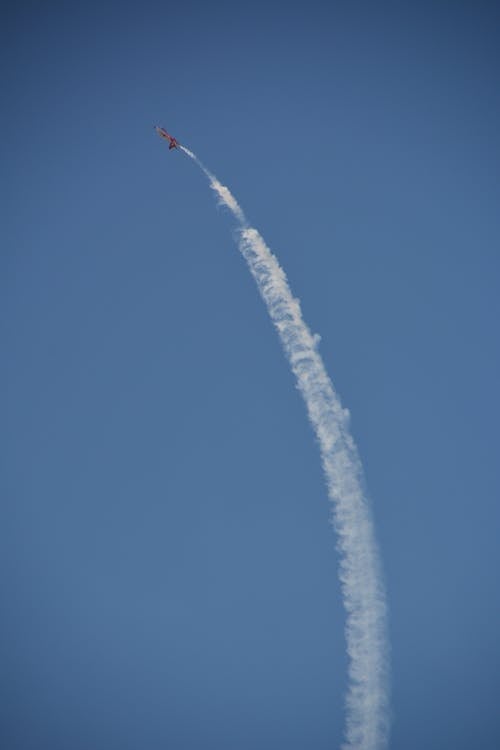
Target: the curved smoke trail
pixel 360 569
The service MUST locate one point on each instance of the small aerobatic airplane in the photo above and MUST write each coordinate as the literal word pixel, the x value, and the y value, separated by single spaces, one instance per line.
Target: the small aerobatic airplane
pixel 163 134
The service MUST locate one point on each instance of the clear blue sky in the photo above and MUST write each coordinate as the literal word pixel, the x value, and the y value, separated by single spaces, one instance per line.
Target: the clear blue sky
pixel 167 569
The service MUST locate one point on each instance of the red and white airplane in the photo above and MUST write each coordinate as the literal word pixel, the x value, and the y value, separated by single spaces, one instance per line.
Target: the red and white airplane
pixel 173 142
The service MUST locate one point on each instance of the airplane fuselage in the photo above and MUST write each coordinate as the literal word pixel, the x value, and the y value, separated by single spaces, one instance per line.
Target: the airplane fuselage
pixel 173 142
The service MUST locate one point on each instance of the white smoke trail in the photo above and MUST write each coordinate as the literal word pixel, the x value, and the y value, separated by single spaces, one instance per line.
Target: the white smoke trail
pixel 360 569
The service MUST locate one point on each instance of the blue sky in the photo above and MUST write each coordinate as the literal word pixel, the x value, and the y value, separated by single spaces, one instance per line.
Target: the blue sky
pixel 168 572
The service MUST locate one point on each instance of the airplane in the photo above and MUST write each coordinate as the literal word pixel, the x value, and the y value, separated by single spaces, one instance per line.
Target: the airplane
pixel 174 143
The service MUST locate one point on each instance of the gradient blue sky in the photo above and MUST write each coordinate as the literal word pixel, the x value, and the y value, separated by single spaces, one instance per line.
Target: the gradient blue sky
pixel 167 569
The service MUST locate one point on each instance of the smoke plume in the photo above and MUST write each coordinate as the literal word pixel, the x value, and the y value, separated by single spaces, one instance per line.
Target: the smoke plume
pixel 367 701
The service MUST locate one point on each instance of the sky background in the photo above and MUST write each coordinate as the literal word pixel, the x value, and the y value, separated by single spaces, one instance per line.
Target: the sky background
pixel 168 574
